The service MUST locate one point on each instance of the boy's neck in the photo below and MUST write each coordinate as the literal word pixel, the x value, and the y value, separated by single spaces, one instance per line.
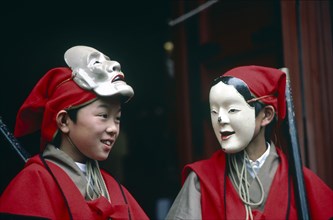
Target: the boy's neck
pixel 256 147
pixel 256 151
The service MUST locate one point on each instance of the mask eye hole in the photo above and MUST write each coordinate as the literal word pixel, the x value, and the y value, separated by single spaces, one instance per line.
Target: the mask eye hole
pixel 95 58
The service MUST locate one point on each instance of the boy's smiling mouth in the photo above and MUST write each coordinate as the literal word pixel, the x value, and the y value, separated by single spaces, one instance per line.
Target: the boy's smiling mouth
pixel 107 142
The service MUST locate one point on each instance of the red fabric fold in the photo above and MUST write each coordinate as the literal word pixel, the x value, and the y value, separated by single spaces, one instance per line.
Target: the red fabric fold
pixel 55 91
pixel 211 174
pixel 264 81
pixel 33 192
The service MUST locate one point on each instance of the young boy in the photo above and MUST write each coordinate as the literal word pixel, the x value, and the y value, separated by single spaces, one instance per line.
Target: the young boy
pixel 248 178
pixel 78 112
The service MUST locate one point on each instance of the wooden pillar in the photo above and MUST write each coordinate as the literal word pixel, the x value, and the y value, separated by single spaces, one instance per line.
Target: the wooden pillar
pixel 307 40
pixel 183 112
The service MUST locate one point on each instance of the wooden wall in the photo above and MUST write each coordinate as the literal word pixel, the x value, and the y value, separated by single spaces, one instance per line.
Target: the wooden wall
pixel 292 34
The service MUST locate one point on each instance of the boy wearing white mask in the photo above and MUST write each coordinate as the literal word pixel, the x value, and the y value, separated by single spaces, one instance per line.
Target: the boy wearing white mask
pixel 248 178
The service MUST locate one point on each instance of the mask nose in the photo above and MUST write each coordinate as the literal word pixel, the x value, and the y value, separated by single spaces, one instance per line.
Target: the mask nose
pixel 223 118
pixel 112 66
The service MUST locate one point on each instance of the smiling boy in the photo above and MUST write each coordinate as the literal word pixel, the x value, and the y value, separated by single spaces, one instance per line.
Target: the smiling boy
pixel 77 111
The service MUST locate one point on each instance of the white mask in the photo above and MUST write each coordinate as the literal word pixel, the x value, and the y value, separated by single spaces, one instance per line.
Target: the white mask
pixel 233 119
pixel 92 70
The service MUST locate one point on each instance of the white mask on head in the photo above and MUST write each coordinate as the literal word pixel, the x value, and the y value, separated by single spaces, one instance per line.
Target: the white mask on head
pixel 233 119
pixel 92 70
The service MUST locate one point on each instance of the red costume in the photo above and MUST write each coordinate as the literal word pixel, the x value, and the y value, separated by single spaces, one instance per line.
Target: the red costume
pixel 219 199
pixel 35 193
pixel 45 189
pixel 229 184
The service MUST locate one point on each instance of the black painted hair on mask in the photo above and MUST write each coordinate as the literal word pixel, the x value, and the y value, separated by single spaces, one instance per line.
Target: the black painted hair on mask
pixel 242 88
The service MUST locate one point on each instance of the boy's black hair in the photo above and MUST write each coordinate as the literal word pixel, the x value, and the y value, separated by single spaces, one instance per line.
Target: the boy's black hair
pixel 72 114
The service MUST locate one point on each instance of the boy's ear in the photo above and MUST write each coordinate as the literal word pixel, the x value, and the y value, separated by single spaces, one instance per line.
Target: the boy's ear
pixel 62 119
pixel 269 114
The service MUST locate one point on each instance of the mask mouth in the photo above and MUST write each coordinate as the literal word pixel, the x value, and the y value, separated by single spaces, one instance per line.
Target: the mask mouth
pixel 118 77
pixel 115 86
pixel 118 87
pixel 225 135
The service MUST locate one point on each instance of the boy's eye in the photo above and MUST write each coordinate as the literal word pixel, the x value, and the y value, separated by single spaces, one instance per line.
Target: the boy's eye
pixel 103 115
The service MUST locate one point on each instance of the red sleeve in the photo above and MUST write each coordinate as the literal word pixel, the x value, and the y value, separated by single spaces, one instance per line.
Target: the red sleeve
pixel 319 195
pixel 32 193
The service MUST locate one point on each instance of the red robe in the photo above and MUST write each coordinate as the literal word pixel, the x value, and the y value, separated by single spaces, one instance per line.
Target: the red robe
pixel 34 192
pixel 219 199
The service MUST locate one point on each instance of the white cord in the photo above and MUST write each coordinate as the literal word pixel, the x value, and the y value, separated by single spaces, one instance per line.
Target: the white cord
pixel 95 181
pixel 242 183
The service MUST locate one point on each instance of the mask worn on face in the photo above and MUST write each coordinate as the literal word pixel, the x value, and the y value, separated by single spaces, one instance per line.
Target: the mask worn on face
pixel 233 119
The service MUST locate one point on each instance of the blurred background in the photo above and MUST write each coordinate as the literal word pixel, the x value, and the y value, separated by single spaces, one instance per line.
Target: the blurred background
pixel 170 51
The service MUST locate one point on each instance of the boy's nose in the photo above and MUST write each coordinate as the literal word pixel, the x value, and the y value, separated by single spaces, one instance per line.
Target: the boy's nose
pixel 112 128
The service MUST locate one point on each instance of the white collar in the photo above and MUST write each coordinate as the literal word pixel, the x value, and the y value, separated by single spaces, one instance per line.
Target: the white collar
pixel 256 165
pixel 263 157
pixel 82 167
